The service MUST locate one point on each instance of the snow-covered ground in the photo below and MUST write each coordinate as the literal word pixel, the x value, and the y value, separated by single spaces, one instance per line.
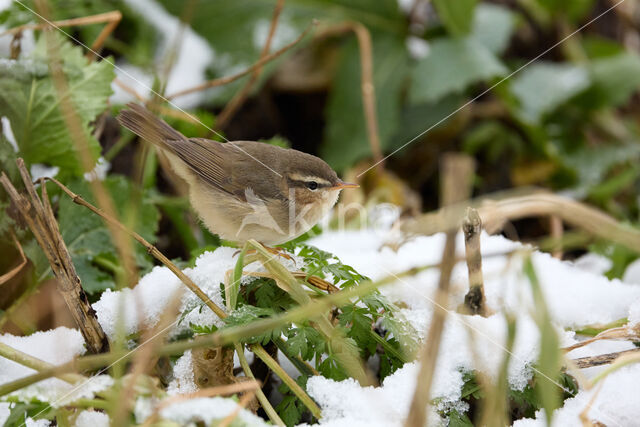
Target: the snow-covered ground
pixel 577 295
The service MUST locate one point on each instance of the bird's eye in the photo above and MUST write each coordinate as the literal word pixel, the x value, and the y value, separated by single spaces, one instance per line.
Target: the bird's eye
pixel 312 185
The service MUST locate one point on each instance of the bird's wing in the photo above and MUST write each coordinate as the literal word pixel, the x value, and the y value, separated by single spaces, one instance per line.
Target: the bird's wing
pixel 208 159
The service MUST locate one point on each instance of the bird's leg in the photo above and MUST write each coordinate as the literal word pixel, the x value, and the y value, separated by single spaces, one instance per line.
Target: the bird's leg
pixel 274 251
pixel 278 252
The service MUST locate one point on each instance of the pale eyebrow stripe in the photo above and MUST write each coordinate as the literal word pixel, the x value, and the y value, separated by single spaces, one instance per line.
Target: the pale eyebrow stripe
pixel 309 178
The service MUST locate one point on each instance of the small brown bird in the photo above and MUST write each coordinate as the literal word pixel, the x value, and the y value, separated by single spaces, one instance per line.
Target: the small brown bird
pixel 244 189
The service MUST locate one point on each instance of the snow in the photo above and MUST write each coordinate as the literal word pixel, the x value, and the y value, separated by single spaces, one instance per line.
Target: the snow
pixel 634 313
pixel 614 405
pixel 183 378
pixel 92 419
pixel 577 295
pixel 202 409
pixel 142 307
pixel 56 347
pixel 346 402
pixel 193 56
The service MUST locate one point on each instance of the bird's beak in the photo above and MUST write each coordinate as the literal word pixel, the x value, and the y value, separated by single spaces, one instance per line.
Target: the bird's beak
pixel 341 184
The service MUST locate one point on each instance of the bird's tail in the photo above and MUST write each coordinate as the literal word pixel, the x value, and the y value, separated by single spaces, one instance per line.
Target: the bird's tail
pixel 147 126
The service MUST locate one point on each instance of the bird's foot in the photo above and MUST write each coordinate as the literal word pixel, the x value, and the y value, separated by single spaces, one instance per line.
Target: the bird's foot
pixel 273 251
pixel 279 252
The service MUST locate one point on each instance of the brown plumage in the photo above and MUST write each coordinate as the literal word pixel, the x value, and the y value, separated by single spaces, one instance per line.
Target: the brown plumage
pixel 244 189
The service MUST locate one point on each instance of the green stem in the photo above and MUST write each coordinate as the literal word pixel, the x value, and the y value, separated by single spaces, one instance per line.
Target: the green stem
pixel 290 382
pixel 594 330
pixel 223 337
pixel 266 405
pixel 29 361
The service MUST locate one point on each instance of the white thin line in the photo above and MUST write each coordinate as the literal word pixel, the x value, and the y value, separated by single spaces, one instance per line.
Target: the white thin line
pixel 460 320
pixel 196 119
pixel 494 85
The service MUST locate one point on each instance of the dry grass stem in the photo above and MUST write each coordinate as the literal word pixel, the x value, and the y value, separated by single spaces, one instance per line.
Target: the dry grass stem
pixel 603 359
pixel 229 79
pixel 15 270
pixel 150 248
pixel 258 350
pixel 112 19
pixel 495 213
pixel 366 83
pixel 223 390
pixel 79 139
pixel 242 404
pixel 456 178
pixel 621 333
pixel 240 97
pixel 145 358
pixel 557 230
pixel 472 228
pixel 42 222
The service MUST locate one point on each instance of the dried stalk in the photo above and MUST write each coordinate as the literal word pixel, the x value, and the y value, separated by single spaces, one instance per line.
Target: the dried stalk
pixel 603 359
pixel 144 359
pixel 41 220
pixel 207 392
pixel 112 19
pixel 81 144
pixel 239 98
pixel 621 333
pixel 555 225
pixel 456 175
pixel 15 270
pixel 472 228
pixel 152 250
pixel 262 398
pixel 258 350
pixel 226 336
pixel 228 79
pixel 495 213
pixel 366 83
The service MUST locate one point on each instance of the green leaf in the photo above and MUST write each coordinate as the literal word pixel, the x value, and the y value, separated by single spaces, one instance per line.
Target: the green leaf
pixel 574 9
pixel 89 240
pixel 346 140
pixel 291 409
pixel 543 87
pixel 456 419
pixel 493 26
pixel 451 66
pixel 305 341
pixel 615 78
pixel 30 101
pixel 456 15
pixel 549 359
pixel 418 118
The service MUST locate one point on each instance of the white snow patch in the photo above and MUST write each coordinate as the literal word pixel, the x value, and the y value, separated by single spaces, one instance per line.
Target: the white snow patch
pixel 56 347
pixel 8 133
pixel 39 170
pixel 632 273
pixel 92 419
pixel 206 410
pixel 183 378
pixel 616 403
pixel 99 171
pixel 141 307
pixel 594 263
